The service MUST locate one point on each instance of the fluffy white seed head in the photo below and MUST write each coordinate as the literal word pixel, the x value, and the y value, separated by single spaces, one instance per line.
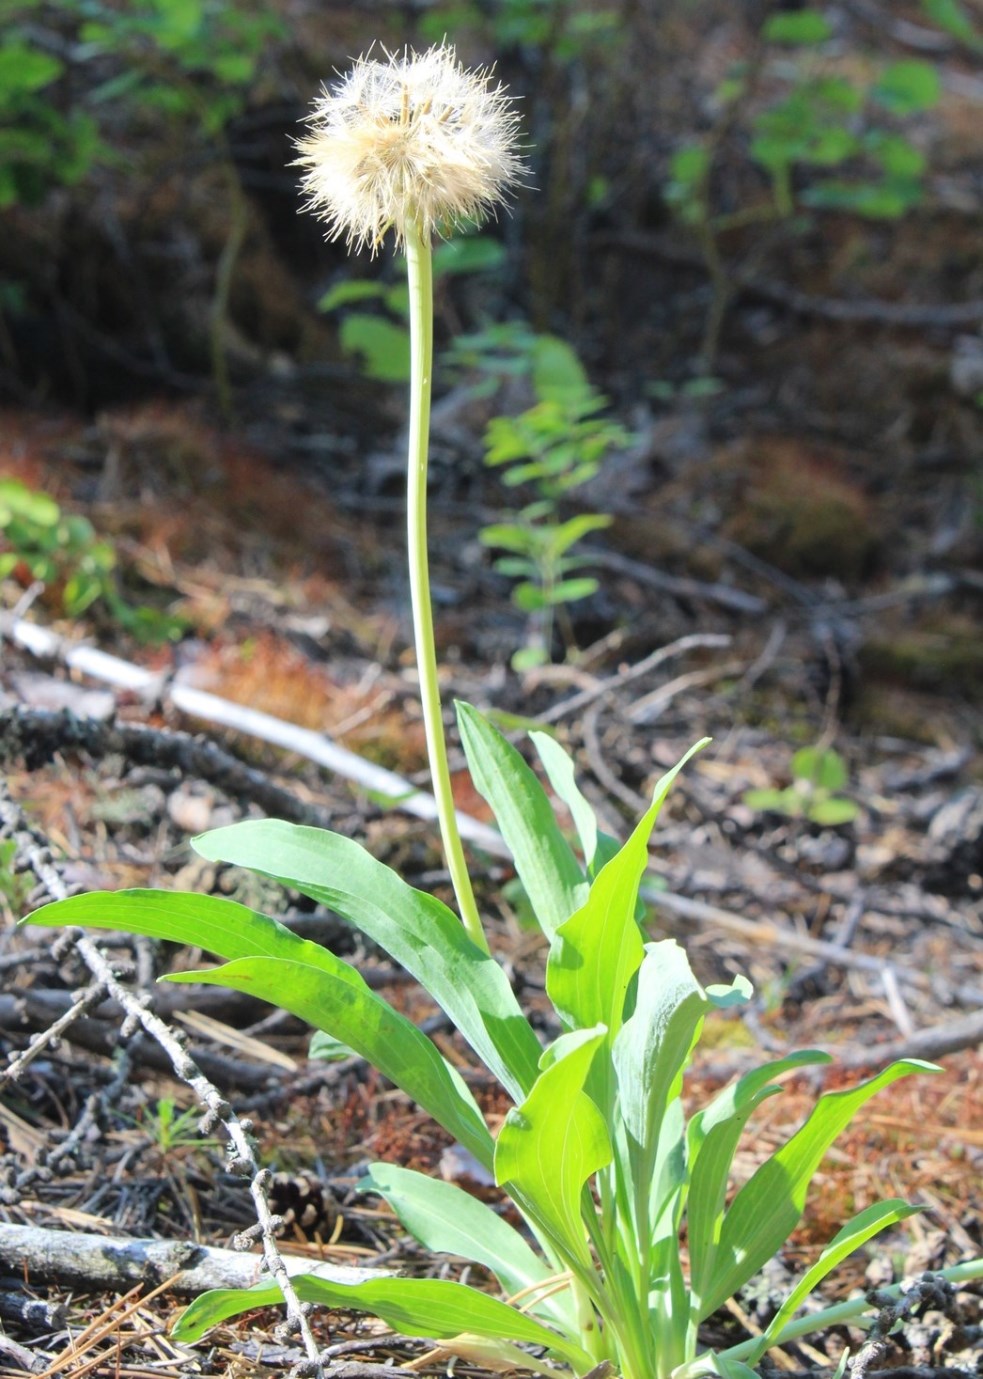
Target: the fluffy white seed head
pixel 417 139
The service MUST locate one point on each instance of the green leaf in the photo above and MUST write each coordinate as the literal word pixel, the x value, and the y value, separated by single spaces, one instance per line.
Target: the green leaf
pixel 26 69
pixel 435 1308
pixel 560 772
pixel 909 86
pixel 650 1052
pixel 832 813
pixel 954 18
pixel 272 957
pixel 598 950
pixel 334 998
pixel 803 27
pixel 476 254
pixel 506 536
pixel 549 1146
pixel 447 1220
pixel 572 590
pixel 711 1138
pixel 766 1210
pixel 547 867
pixel 566 534
pixel 855 1233
pixel 384 346
pixel 883 200
pixel 897 155
pixel 689 164
pixel 416 929
pixel 348 291
pixel 531 598
pixel 556 370
pixel 821 767
pixel 199 921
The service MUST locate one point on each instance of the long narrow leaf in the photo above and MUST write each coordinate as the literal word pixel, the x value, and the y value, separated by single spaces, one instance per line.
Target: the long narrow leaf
pixel 712 1138
pixel 559 768
pixel 598 950
pixel 339 1002
pixel 200 921
pixel 546 865
pixel 766 1210
pixel 855 1233
pixel 435 1308
pixel 416 929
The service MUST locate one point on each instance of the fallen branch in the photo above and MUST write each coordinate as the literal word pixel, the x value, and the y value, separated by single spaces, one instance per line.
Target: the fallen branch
pixel 77 1259
pixel 37 735
pixel 316 747
pixel 902 315
pixel 778 937
pixel 934 1042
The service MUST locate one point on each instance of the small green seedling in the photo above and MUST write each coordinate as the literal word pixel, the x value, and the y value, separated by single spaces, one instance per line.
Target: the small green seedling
pixel 169 1129
pixel 552 448
pixel 818 775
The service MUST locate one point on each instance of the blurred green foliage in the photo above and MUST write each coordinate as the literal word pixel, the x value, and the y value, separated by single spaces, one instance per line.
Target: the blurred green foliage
pixel 552 448
pixel 569 29
pixel 69 70
pixel 819 774
pixel 381 339
pixel 61 551
pixel 844 132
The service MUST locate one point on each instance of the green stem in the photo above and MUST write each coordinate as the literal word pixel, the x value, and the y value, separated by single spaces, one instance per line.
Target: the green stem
pixel 420 269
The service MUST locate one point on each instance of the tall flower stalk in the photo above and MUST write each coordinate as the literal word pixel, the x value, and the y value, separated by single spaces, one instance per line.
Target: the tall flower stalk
pixel 412 145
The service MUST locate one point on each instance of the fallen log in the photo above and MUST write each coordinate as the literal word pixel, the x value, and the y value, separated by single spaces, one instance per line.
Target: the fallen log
pixel 77 1259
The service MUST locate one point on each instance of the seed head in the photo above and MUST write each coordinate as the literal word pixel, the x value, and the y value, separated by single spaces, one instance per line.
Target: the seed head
pixel 417 139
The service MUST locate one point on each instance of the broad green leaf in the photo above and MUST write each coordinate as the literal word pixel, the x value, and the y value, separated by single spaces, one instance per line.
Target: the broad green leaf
pixel 435 1308
pixel 649 1055
pixel 804 27
pixel 416 929
pixel 855 1233
pixel 448 1220
pixel 24 68
pixel 766 1210
pixel 820 767
pixel 287 970
pixel 653 1045
pixel 384 347
pixel 908 86
pixel 335 998
pixel 712 1137
pixel 557 372
pixel 549 1146
pixel 897 156
pixel 348 291
pixel 477 254
pixel 200 921
pixel 598 950
pixel 546 865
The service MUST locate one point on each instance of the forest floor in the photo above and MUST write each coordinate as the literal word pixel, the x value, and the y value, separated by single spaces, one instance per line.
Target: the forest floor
pixel 794 560
pixel 865 939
